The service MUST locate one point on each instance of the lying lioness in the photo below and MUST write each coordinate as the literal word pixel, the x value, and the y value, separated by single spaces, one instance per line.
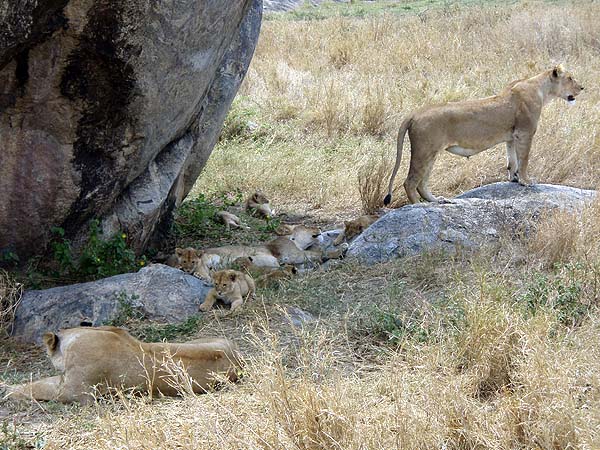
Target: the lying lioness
pixel 109 356
pixel 469 127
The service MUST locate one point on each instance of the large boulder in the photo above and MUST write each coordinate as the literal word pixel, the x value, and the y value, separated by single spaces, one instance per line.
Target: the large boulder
pixel 110 109
pixel 472 220
pixel 157 292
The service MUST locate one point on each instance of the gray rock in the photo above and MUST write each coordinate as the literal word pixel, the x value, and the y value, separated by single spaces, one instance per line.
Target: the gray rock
pixel 472 219
pixel 281 5
pixel 298 317
pixel 156 292
pixel 111 109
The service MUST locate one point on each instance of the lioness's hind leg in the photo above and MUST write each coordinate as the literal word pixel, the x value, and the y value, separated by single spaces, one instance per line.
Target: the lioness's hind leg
pixel 423 189
pixel 410 186
pixel 512 162
pixel 50 388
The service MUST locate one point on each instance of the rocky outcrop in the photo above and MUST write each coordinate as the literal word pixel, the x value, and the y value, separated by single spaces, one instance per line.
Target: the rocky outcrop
pixel 281 5
pixel 156 292
pixel 472 220
pixel 110 110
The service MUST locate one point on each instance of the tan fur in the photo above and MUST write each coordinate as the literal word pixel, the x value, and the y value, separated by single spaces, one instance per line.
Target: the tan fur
pixel 231 286
pixel 353 228
pixel 468 127
pixel 259 205
pixel 266 276
pixel 105 357
pixel 187 259
pixel 282 250
pixel 229 220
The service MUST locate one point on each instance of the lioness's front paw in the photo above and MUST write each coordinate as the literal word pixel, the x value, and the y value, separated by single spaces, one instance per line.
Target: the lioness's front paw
pixel 526 182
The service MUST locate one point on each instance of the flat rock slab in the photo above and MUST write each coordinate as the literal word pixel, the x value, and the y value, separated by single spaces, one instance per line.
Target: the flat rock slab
pixel 472 220
pixel 161 293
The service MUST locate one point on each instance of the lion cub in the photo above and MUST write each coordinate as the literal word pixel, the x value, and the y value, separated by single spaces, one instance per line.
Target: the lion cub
pixel 186 259
pixel 258 204
pixel 353 228
pixel 231 287
pixel 229 220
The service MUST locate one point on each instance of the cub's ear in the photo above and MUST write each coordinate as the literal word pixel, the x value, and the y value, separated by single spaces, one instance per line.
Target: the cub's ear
pixel 232 276
pixel 179 251
pixel 50 341
pixel 558 71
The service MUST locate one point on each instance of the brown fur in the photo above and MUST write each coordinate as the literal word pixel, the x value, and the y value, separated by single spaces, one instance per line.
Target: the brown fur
pixel 266 276
pixel 110 357
pixel 468 127
pixel 229 220
pixel 353 228
pixel 187 259
pixel 282 250
pixel 258 204
pixel 231 286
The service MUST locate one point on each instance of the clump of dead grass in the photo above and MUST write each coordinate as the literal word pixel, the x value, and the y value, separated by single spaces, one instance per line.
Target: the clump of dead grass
pixel 373 180
pixel 563 236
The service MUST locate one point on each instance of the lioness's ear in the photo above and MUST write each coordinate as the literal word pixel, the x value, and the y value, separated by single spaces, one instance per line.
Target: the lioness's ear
pixel 51 341
pixel 558 71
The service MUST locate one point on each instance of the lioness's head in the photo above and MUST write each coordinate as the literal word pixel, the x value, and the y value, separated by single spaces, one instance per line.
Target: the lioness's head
pixel 564 85
pixel 187 258
pixel 224 281
pixel 304 236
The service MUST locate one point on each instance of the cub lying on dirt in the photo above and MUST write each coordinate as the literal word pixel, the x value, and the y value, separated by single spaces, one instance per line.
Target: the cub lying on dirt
pixel 104 357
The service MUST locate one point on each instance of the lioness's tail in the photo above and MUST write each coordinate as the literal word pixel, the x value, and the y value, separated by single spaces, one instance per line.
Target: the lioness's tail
pixel 400 143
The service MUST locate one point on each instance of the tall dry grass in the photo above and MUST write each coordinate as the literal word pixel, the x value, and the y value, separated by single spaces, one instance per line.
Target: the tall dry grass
pixel 329 95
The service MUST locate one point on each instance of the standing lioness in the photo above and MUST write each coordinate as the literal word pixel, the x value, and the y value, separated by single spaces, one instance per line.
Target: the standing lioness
pixel 469 127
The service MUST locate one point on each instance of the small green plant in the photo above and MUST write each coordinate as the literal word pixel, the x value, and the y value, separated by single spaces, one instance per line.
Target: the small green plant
pixel 196 218
pixel 239 121
pixel 127 311
pixel 153 332
pixel 395 326
pixel 99 258
pixel 10 439
pixel 9 258
pixel 559 292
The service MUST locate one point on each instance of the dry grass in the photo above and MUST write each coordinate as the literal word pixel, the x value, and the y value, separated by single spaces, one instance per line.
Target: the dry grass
pixel 500 377
pixel 564 236
pixel 329 95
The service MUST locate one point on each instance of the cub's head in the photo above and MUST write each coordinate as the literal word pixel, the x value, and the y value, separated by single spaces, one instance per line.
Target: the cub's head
pixel 353 228
pixel 187 258
pixel 304 236
pixel 565 85
pixel 259 197
pixel 225 281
